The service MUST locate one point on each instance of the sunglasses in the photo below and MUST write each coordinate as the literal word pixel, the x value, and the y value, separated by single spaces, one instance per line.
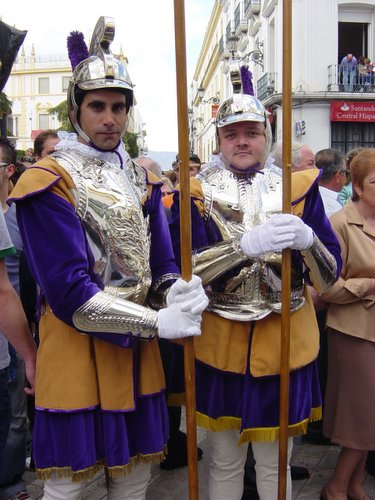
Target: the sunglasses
pixel 3 164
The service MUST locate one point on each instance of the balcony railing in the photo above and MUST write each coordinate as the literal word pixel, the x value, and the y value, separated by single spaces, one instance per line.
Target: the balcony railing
pixel 341 81
pixel 266 86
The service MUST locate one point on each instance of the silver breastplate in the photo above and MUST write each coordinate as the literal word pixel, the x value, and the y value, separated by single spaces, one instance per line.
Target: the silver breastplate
pixel 236 204
pixel 109 204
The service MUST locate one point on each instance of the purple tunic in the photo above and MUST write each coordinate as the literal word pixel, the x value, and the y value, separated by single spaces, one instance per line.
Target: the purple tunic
pixel 241 401
pixel 77 442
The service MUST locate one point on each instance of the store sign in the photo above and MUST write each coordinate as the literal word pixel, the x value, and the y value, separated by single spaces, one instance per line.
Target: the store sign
pixel 348 111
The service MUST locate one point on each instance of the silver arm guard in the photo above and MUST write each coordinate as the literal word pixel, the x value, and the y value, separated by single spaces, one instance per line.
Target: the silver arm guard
pixel 106 313
pixel 211 262
pixel 157 296
pixel 322 265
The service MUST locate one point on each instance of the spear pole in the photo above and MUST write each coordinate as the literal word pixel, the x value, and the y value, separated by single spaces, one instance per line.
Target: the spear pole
pixel 286 258
pixel 185 238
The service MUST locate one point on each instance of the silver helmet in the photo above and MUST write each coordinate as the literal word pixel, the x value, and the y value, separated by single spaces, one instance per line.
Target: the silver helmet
pixel 242 107
pixel 100 70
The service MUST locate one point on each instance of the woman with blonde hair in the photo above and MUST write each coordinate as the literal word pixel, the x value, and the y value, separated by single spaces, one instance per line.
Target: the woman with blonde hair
pixel 350 394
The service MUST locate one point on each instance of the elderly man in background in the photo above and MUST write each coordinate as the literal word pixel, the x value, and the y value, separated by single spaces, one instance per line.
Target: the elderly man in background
pixel 303 157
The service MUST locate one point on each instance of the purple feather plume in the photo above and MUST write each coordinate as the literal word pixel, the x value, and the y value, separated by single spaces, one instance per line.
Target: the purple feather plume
pixel 77 48
pixel 247 80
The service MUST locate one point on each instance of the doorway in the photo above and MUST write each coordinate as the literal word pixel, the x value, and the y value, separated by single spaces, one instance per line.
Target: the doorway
pixel 353 39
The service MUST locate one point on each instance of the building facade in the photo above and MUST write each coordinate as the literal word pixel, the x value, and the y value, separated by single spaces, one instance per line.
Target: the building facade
pixel 329 108
pixel 37 84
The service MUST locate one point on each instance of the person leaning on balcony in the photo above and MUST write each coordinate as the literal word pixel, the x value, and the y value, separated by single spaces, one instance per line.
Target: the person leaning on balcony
pixel 348 70
pixel 370 71
pixel 362 71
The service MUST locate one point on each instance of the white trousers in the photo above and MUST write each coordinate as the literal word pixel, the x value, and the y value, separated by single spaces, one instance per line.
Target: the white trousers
pixel 131 487
pixel 226 470
pixel 266 457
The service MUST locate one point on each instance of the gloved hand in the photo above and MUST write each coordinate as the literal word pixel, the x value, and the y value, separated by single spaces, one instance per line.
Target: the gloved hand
pixel 303 234
pixel 183 315
pixel 191 294
pixel 173 323
pixel 279 232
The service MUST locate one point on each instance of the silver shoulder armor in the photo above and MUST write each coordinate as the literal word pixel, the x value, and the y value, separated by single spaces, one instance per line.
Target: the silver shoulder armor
pixel 106 313
pixel 322 265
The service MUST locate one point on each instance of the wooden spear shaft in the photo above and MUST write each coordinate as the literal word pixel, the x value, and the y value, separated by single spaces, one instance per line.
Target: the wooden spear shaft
pixel 185 237
pixel 286 259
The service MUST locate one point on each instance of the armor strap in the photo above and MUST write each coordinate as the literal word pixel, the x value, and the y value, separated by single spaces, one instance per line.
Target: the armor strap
pixel 211 262
pixel 322 265
pixel 106 313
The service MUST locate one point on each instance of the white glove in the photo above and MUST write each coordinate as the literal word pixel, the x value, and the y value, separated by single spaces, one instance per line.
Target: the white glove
pixel 303 234
pixel 190 295
pixel 279 232
pixel 183 315
pixel 173 323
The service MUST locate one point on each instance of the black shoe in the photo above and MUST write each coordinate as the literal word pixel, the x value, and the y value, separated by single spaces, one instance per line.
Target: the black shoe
pixel 177 452
pixel 370 463
pixel 298 472
pixel 316 438
pixel 250 493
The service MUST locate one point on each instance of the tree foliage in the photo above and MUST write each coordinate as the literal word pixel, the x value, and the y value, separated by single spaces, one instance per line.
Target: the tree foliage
pixel 61 111
pixel 5 110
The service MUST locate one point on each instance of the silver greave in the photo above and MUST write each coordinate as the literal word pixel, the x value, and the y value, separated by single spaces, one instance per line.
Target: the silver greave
pixel 106 313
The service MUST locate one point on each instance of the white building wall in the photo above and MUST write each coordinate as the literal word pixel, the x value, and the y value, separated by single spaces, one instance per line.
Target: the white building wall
pixel 315 46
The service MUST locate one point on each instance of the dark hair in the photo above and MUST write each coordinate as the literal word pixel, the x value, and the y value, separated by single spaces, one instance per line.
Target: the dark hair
pixel 8 150
pixel 20 168
pixel 329 161
pixel 193 158
pixel 360 168
pixel 129 95
pixel 41 139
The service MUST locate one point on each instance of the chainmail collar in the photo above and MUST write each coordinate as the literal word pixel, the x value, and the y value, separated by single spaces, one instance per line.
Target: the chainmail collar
pixel 69 141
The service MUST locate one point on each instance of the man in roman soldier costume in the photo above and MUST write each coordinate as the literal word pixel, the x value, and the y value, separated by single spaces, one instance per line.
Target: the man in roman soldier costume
pixel 238 234
pixel 98 244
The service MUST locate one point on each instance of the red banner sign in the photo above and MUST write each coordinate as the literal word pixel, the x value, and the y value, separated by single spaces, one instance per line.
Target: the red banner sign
pixel 349 111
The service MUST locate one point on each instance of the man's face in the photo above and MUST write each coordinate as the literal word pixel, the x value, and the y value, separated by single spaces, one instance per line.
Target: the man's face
pixel 103 117
pixel 48 146
pixel 242 143
pixel 307 160
pixel 193 170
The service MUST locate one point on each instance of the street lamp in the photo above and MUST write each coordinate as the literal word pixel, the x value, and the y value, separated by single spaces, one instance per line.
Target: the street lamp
pixel 193 127
pixel 231 44
pixel 213 99
pixel 256 56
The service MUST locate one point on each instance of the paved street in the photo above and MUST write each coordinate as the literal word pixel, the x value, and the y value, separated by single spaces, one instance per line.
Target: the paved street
pixel 172 485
